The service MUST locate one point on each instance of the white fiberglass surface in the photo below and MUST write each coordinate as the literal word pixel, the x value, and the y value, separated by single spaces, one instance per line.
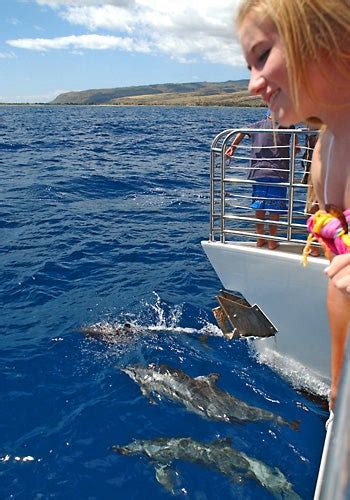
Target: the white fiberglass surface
pixel 292 296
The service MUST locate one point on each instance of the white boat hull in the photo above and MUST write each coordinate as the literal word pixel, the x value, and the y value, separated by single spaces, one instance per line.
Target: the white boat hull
pixel 292 296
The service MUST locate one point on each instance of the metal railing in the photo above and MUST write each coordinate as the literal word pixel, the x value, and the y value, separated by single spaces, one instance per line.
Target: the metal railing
pixel 231 216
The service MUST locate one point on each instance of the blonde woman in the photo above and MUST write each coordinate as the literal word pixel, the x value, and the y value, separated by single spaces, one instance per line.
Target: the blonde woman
pixel 298 52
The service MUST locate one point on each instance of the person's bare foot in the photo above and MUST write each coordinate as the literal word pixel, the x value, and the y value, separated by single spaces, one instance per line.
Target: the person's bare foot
pixel 260 242
pixel 272 245
pixel 314 252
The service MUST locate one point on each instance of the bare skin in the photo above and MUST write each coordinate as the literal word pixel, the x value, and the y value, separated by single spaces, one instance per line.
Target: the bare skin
pixel 259 214
pixel 266 57
pixel 338 298
pixel 260 229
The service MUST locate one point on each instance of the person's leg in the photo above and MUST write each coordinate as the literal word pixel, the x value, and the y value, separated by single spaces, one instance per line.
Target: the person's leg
pixel 260 227
pixel 272 244
pixel 314 251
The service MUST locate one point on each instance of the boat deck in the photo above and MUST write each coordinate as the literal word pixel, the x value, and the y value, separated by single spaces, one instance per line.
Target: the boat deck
pixel 288 293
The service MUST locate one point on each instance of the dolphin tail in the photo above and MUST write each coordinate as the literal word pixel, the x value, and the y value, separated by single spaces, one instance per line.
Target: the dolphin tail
pixel 294 425
pixel 291 495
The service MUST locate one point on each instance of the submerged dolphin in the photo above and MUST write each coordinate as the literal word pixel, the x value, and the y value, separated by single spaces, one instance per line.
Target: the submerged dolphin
pixel 218 455
pixel 110 333
pixel 116 333
pixel 199 395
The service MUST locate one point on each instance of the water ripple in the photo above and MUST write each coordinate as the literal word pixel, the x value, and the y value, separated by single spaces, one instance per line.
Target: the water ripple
pixel 101 216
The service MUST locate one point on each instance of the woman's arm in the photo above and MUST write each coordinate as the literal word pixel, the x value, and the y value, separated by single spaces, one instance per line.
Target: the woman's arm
pixel 339 314
pixel 339 273
pixel 338 304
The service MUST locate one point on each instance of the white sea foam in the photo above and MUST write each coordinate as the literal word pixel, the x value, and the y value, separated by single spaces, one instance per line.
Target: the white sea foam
pixel 157 317
pixel 10 458
pixel 297 374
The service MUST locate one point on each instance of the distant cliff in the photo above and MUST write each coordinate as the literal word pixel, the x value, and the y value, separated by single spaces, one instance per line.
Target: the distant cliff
pixel 230 93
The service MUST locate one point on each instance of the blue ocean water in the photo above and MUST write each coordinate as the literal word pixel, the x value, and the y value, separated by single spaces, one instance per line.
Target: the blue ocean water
pixel 102 214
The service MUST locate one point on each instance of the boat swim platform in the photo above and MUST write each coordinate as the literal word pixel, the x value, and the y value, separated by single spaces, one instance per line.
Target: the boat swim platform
pixel 292 296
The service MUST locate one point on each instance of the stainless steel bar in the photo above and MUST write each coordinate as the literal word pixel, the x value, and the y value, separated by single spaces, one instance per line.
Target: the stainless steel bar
pixel 223 196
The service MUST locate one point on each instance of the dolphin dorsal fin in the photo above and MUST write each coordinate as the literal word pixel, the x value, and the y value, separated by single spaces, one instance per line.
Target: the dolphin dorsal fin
pixel 227 441
pixel 210 379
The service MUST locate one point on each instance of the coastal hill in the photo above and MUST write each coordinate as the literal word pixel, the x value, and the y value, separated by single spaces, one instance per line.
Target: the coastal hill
pixel 230 93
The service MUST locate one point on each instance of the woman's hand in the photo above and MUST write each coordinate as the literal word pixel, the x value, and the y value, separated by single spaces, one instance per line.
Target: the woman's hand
pixel 339 273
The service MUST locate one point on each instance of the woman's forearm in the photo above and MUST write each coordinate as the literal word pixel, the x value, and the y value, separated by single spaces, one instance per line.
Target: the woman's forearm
pixel 338 305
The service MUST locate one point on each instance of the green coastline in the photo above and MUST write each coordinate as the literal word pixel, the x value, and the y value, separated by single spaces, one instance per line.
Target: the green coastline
pixel 230 93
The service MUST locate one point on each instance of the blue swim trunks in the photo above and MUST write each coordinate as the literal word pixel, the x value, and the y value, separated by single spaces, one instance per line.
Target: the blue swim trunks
pixel 271 198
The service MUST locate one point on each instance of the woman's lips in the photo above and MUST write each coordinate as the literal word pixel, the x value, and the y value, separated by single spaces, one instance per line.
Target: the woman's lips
pixel 271 99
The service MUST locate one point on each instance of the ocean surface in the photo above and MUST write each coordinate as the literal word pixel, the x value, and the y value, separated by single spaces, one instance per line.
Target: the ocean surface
pixel 102 214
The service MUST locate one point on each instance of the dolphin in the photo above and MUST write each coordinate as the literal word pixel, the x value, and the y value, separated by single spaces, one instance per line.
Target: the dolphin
pixel 199 395
pixel 218 455
pixel 110 333
pixel 117 333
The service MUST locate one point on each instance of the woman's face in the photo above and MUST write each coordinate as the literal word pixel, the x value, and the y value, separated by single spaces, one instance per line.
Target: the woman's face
pixel 265 55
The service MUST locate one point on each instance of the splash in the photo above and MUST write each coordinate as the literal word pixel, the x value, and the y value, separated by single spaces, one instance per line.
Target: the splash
pixel 159 317
pixel 10 458
pixel 170 319
pixel 297 374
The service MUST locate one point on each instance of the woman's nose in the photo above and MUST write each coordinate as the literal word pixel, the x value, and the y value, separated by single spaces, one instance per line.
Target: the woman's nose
pixel 257 83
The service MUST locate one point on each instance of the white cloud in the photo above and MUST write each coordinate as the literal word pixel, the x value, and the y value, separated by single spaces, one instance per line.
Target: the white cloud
pixel 78 3
pixel 7 55
pixel 184 30
pixel 73 42
pixel 109 17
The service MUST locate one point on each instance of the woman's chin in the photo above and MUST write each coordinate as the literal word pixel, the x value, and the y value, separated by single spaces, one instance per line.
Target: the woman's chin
pixel 285 118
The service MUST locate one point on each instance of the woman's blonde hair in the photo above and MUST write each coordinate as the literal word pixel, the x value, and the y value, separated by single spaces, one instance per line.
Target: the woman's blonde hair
pixel 312 31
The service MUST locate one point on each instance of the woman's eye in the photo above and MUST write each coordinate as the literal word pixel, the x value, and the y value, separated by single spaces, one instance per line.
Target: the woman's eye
pixel 264 55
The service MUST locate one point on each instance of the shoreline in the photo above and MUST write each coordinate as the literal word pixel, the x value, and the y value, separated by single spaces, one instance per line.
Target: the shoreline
pixel 29 104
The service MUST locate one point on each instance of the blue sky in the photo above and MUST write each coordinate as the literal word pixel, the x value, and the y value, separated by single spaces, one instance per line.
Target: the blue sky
pixel 52 46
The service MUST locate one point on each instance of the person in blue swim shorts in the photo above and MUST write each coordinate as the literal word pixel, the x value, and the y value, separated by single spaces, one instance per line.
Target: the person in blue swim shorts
pixel 269 166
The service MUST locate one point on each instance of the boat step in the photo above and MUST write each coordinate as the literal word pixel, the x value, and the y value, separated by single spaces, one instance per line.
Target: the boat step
pixel 237 318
